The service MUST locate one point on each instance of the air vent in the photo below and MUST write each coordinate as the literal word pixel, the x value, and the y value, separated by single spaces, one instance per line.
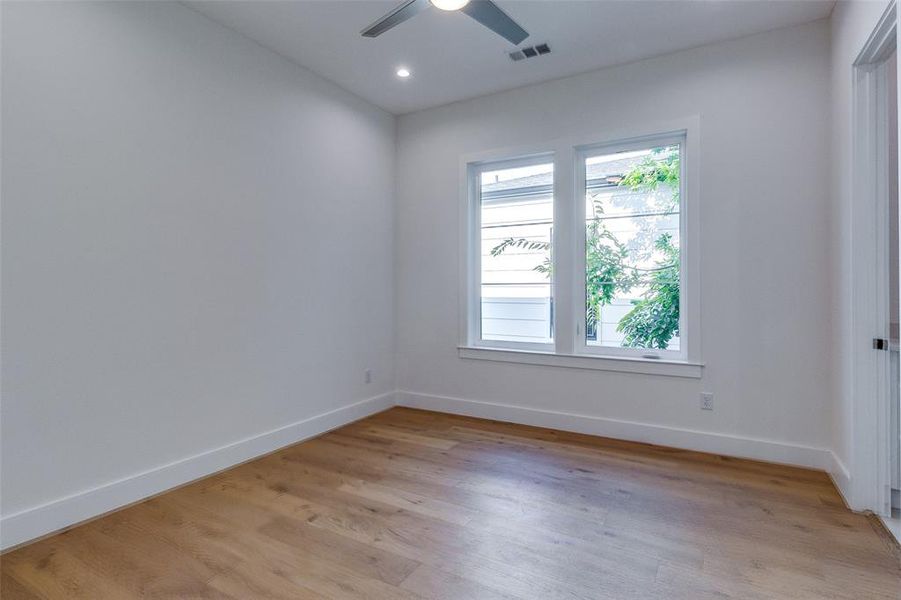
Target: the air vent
pixel 529 52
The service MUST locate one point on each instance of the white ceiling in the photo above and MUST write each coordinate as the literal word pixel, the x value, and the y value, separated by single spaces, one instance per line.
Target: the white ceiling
pixel 453 57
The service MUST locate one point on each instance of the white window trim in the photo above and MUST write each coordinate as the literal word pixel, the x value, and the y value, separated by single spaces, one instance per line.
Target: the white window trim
pixel 568 350
pixel 623 364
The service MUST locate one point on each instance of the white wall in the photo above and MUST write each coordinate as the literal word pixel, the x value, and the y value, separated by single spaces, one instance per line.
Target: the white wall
pixel 851 25
pixel 766 329
pixel 197 249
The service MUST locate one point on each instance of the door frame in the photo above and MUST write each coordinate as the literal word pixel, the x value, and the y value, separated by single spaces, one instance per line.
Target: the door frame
pixel 870 468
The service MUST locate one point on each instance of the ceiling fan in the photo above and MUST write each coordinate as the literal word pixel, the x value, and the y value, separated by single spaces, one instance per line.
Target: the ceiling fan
pixel 485 12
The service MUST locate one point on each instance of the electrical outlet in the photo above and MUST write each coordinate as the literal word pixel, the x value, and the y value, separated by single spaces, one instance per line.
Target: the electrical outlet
pixel 367 376
pixel 706 401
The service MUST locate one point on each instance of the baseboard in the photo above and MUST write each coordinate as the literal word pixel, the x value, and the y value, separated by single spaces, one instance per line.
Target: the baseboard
pixel 32 523
pixel 892 526
pixel 841 477
pixel 714 443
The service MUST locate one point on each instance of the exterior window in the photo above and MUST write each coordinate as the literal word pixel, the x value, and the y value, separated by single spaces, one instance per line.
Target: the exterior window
pixel 632 248
pixel 584 252
pixel 516 216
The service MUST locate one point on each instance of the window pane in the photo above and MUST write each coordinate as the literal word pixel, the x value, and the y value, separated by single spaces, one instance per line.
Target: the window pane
pixel 517 214
pixel 632 258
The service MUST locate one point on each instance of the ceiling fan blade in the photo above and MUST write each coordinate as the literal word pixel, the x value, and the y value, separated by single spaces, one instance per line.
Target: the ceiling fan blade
pixel 491 16
pixel 395 17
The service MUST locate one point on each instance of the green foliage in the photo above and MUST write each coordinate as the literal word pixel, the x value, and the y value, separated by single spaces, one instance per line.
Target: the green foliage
pixel 605 270
pixel 546 264
pixel 654 319
pixel 519 243
pixel 654 170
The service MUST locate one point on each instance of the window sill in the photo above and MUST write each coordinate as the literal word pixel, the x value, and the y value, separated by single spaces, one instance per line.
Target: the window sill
pixel 646 366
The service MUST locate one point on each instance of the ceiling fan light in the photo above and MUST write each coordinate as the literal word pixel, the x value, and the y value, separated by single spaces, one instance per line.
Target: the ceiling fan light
pixel 449 4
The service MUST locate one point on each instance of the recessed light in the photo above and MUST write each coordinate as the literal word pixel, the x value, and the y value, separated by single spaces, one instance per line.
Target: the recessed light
pixel 403 72
pixel 449 4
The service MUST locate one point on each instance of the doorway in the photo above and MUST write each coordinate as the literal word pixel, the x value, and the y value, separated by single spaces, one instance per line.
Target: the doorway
pixel 876 284
pixel 894 248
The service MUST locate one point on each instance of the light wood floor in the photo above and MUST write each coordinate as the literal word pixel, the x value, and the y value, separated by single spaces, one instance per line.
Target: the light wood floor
pixel 412 504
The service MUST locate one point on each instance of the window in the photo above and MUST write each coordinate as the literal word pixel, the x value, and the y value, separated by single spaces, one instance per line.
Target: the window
pixel 632 257
pixel 581 252
pixel 516 217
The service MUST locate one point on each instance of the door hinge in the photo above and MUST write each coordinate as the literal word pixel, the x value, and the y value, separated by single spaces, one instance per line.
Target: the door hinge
pixel 880 344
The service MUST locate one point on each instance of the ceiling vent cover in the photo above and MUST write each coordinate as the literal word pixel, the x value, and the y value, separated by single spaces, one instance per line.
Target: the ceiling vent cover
pixel 530 52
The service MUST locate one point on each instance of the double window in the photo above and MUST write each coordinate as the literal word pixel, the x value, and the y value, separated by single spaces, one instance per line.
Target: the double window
pixel 582 251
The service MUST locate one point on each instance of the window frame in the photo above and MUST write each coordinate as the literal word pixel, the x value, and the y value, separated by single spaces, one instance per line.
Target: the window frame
pixel 473 243
pixel 569 348
pixel 582 153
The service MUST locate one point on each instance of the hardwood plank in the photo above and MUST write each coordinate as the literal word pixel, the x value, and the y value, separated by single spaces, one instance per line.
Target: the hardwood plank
pixel 11 589
pixel 413 504
pixel 437 584
pixel 366 560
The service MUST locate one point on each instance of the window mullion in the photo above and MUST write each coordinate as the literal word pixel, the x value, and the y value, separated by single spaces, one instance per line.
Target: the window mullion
pixel 564 250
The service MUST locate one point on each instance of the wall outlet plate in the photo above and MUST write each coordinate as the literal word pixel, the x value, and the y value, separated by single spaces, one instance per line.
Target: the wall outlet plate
pixel 367 376
pixel 706 401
